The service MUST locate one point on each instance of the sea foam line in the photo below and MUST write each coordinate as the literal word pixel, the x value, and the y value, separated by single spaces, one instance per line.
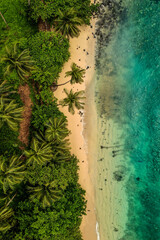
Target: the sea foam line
pixel 97 231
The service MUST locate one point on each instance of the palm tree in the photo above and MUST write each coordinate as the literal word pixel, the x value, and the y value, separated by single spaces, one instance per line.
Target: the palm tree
pixel 39 153
pixel 76 74
pixel 6 221
pixel 67 23
pixel 10 113
pixel 73 100
pixel 56 129
pixel 45 193
pixel 21 62
pixel 12 172
pixel 5 90
pixel 61 147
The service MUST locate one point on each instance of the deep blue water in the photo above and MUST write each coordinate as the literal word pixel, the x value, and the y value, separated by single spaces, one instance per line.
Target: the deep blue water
pixel 134 50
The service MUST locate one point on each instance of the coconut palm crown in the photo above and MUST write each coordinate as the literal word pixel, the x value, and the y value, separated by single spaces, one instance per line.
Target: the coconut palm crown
pixel 45 193
pixel 6 221
pixel 21 62
pixel 39 153
pixel 12 172
pixel 67 23
pixel 76 74
pixel 73 100
pixel 10 113
pixel 5 90
pixel 56 129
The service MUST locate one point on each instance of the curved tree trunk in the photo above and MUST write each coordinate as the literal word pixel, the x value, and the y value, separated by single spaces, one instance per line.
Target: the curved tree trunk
pixel 62 83
pixel 55 86
pixel 4 20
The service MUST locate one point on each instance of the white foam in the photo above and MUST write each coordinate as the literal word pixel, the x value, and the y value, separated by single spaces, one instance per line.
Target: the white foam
pixel 97 231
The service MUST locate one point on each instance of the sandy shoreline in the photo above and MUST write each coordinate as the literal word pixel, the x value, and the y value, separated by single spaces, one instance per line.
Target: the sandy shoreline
pixel 83 54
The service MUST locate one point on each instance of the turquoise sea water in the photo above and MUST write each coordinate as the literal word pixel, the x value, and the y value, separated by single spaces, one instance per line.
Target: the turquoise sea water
pixel 130 60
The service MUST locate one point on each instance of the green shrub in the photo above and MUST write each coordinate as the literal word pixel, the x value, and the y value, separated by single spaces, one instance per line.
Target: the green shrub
pixel 46 96
pixel 62 174
pixel 44 78
pixel 15 14
pixel 50 51
pixel 49 9
pixel 42 113
pixel 61 221
pixel 8 141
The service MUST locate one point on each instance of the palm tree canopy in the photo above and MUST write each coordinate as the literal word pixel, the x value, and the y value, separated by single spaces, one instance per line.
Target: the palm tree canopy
pixel 39 153
pixel 76 74
pixel 5 90
pixel 6 214
pixel 60 149
pixel 73 100
pixel 10 113
pixel 45 193
pixel 67 23
pixel 56 129
pixel 12 172
pixel 21 62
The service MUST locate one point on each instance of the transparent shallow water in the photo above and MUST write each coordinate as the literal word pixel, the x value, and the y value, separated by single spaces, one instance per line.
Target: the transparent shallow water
pixel 128 104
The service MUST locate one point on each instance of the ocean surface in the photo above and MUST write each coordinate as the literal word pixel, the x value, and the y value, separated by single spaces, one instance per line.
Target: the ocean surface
pixel 127 97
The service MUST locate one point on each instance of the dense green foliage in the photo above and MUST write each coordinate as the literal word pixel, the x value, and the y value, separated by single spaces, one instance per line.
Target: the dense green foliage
pixel 50 51
pixel 40 197
pixel 48 9
pixel 42 113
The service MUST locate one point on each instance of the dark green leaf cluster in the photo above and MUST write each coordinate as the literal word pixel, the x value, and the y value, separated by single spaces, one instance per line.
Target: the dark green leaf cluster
pixel 57 222
pixel 40 197
pixel 48 9
pixel 50 52
pixel 42 113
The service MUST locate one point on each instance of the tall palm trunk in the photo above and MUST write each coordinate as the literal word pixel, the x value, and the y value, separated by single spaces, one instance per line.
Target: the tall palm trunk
pixel 4 20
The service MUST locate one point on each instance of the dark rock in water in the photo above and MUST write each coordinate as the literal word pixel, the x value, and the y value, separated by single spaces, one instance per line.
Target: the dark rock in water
pixel 118 176
pixel 138 178
pixel 116 229
pixel 110 14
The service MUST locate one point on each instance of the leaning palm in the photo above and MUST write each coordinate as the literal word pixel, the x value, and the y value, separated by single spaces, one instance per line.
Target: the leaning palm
pixel 73 100
pixel 76 74
pixel 6 221
pixel 39 153
pixel 21 62
pixel 56 129
pixel 12 172
pixel 67 23
pixel 10 113
pixel 45 193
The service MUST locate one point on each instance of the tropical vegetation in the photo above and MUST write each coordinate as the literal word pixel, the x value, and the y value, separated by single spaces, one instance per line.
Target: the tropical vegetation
pixel 40 197
pixel 73 100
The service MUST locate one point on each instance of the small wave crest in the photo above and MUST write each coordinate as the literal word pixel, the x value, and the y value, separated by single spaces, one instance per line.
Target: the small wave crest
pixel 97 231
